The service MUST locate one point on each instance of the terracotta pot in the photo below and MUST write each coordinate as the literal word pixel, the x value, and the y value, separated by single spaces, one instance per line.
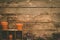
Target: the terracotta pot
pixel 19 26
pixel 10 37
pixel 4 25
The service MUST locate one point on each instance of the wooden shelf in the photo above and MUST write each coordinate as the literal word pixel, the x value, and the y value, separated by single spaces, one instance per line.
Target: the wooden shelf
pixel 28 7
pixel 11 30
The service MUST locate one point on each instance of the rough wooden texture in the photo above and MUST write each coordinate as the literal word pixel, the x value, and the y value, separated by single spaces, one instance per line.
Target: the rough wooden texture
pixel 45 13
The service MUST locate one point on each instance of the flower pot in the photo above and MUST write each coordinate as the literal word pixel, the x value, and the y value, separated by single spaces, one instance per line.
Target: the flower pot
pixel 4 25
pixel 19 26
pixel 10 37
